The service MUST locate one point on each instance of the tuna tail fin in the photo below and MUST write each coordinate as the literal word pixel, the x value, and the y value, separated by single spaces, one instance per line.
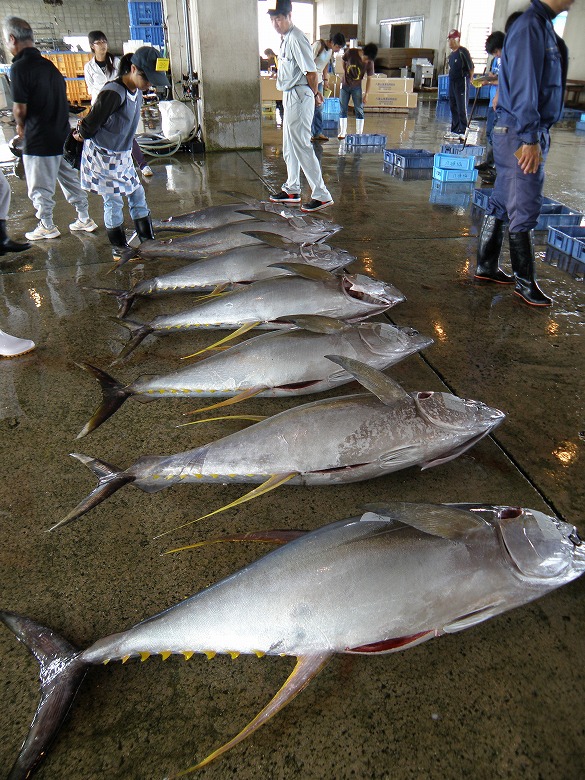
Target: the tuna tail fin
pixel 113 392
pixel 138 332
pixel 307 667
pixel 125 298
pixel 61 674
pixel 109 481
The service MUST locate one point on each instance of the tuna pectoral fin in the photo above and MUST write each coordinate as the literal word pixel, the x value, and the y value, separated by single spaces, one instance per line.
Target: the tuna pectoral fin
pixel 386 389
pixel 276 480
pixel 239 332
pixel 266 537
pixel 243 396
pixel 307 667
pixel 312 272
pixel 114 394
pixel 109 480
pixel 454 453
pixel 61 673
pixel 317 323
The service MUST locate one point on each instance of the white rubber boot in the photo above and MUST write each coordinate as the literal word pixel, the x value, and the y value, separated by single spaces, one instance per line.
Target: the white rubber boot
pixel 359 126
pixel 10 346
pixel 342 128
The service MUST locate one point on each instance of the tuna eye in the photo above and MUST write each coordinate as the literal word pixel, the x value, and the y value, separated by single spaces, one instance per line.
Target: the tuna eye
pixel 510 513
pixel 424 396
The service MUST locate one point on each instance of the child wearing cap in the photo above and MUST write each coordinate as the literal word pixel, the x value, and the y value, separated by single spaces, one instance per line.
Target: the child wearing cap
pixel 108 131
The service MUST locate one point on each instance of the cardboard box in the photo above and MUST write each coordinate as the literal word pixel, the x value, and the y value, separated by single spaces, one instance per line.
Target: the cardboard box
pixel 268 89
pixel 391 100
pixel 391 85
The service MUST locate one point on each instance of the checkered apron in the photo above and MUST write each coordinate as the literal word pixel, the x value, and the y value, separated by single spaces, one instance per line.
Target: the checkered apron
pixel 107 172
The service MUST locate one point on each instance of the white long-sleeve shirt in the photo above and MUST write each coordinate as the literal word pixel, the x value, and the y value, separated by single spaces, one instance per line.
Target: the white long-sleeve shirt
pixel 95 78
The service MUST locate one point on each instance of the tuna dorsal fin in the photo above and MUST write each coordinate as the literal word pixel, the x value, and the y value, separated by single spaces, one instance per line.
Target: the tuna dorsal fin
pixel 384 388
pixel 317 323
pixel 434 519
pixel 272 239
pixel 307 667
pixel 264 216
pixel 306 271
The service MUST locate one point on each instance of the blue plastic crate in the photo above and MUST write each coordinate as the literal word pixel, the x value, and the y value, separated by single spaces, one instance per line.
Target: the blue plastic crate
pixel 454 162
pixel 154 35
pixel 409 158
pixel 408 174
pixel 564 239
pixel 331 108
pixel 580 125
pixel 481 197
pixel 443 87
pixel 145 13
pixel 469 150
pixel 451 193
pixel 448 174
pixel 330 124
pixel 365 139
pixel 566 263
pixel 554 213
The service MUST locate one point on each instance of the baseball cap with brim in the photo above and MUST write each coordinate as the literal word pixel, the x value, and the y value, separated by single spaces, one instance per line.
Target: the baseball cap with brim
pixel 454 34
pixel 279 7
pixel 145 59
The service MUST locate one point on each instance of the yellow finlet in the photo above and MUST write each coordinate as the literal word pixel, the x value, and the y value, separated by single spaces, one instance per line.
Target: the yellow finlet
pixel 275 480
pixel 249 417
pixel 144 656
pixel 125 658
pixel 233 654
pixel 165 654
pixel 239 332
pixel 259 653
pixel 243 396
pixel 210 654
pixel 107 661
pixel 188 654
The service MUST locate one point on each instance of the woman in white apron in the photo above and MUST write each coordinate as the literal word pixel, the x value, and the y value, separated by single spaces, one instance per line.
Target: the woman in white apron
pixel 108 131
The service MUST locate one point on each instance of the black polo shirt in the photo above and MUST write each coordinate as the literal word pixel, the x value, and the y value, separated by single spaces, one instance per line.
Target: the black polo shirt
pixel 36 81
pixel 460 63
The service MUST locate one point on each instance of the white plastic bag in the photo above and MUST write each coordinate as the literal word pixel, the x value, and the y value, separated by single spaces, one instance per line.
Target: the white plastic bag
pixel 177 120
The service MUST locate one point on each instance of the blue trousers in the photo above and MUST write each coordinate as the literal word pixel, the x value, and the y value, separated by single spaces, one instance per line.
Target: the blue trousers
pixel 317 126
pixel 517 196
pixel 355 93
pixel 458 105
pixel 114 207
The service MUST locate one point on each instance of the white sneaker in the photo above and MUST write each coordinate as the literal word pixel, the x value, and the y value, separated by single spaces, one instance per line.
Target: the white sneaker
pixel 147 171
pixel 43 232
pixel 451 136
pixel 89 225
pixel 11 346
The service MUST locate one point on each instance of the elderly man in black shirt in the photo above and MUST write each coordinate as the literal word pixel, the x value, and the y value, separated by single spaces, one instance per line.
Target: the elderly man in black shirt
pixel 41 112
pixel 460 71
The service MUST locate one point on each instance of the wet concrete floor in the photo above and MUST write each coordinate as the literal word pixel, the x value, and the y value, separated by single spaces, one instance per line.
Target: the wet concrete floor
pixel 502 700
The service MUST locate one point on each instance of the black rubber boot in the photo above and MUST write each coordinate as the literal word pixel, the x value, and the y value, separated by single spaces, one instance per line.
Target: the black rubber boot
pixel 121 249
pixel 144 229
pixel 522 259
pixel 7 244
pixel 489 246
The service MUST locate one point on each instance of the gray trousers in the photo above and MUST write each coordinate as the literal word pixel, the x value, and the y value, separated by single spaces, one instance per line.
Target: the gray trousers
pixel 4 197
pixel 42 174
pixel 297 149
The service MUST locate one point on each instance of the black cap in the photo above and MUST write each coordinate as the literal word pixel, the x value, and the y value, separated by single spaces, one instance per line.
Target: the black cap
pixel 145 60
pixel 280 8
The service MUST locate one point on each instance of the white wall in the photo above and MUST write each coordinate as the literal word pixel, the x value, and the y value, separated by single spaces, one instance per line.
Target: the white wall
pixel 575 39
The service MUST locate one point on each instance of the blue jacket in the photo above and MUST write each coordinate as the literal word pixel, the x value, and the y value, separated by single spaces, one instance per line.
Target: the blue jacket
pixel 532 75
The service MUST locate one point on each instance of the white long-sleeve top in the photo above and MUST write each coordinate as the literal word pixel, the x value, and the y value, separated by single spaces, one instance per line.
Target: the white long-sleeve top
pixel 95 78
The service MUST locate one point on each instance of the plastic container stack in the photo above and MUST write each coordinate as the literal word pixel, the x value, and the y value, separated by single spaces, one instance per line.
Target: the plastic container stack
pixel 366 139
pixel 454 167
pixel 552 212
pixel 569 240
pixel 331 111
pixel 146 23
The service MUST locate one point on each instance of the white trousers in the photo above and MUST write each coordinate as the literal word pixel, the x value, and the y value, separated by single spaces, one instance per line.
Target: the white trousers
pixel 42 174
pixel 297 149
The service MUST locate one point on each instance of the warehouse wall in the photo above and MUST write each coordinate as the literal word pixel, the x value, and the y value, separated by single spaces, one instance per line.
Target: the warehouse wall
pixel 74 17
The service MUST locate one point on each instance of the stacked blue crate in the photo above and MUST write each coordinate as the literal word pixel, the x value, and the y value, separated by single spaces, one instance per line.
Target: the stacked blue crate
pixel 552 212
pixel 331 111
pixel 146 23
pixel 443 81
pixel 454 167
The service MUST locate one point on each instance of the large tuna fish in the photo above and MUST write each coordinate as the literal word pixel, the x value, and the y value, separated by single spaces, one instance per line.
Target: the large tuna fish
pixel 329 442
pixel 235 266
pixel 216 216
pixel 264 304
pixel 282 363
pixel 301 230
pixel 395 577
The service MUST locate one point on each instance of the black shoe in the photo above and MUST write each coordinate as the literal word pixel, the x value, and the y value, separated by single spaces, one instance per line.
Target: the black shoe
pixel 121 249
pixel 489 246
pixel 484 166
pixel 144 229
pixel 7 244
pixel 522 259
pixel 284 197
pixel 316 205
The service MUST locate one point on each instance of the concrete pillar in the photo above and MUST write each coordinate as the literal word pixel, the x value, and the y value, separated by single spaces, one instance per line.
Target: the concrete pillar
pixel 225 54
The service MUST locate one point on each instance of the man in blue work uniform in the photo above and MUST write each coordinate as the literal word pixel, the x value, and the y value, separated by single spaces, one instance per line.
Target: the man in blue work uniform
pixel 531 88
pixel 460 71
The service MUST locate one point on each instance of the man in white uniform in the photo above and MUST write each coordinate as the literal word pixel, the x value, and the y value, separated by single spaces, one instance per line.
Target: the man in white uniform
pixel 297 78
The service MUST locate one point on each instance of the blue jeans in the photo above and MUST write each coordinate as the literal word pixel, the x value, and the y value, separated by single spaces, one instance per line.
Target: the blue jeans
pixel 355 93
pixel 114 207
pixel 517 196
pixel 317 126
